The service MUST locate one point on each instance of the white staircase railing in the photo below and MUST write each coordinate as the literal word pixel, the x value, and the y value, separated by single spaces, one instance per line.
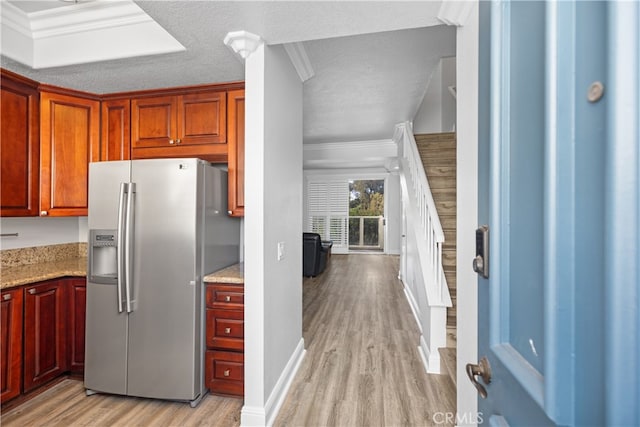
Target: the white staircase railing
pixel 430 236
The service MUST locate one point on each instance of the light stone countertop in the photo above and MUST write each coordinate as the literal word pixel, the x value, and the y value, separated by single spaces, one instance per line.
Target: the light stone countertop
pixel 31 273
pixel 231 274
pixel 13 276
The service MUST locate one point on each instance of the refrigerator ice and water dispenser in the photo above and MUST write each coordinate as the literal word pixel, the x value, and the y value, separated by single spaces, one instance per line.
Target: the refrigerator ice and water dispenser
pixel 103 257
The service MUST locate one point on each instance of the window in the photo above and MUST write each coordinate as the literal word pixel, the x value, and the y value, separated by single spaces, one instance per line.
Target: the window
pixel 328 211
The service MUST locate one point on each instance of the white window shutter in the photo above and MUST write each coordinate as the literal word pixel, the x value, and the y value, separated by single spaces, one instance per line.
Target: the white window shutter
pixel 328 211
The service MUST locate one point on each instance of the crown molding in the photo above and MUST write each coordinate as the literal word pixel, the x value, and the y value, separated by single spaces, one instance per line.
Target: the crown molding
pixel 353 154
pixel 85 17
pixel 81 33
pixel 16 19
pixel 242 43
pixel 455 12
pixel 300 60
pixel 372 145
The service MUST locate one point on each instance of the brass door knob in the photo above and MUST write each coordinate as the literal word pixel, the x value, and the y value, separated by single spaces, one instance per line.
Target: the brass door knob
pixel 482 369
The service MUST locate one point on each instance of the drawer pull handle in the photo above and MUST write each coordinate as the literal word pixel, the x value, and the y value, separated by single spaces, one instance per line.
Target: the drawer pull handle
pixel 226 372
pixel 6 297
pixel 227 298
pixel 227 330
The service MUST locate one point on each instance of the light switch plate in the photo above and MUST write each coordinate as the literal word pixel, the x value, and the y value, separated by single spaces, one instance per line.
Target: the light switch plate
pixel 280 251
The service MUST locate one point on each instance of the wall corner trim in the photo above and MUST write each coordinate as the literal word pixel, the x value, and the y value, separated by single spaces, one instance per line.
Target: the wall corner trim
pixel 455 12
pixel 242 43
pixel 300 60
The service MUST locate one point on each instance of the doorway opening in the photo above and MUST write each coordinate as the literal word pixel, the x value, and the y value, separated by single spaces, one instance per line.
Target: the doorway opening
pixel 366 215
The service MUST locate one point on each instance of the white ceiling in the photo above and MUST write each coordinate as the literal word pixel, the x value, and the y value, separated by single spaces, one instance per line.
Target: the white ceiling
pixel 372 60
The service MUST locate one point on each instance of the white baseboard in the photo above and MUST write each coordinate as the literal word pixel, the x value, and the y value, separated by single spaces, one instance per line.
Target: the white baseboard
pixel 430 359
pixel 253 416
pixel 257 416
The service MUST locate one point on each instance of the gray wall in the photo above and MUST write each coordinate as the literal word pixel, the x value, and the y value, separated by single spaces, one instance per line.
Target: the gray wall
pixel 37 231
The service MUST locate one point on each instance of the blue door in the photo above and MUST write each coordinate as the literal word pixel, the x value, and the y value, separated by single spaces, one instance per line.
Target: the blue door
pixel 558 286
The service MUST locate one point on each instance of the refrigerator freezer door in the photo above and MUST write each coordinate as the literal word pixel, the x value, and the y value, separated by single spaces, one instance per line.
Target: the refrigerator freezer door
pixel 106 329
pixel 164 332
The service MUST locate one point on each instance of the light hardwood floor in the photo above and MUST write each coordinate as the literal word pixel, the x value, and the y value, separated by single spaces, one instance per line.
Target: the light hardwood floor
pixel 361 368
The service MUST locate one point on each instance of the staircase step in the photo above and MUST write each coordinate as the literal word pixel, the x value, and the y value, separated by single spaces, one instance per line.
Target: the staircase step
pixel 439 182
pixel 447 194
pixel 447 221
pixel 450 235
pixel 440 171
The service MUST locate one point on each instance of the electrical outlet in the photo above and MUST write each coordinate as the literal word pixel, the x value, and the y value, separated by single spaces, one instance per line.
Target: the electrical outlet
pixel 280 251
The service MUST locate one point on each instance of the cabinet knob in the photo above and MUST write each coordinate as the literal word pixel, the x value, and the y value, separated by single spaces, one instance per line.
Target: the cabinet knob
pixel 227 372
pixel 32 291
pixel 230 212
pixel 171 141
pixel 227 298
pixel 44 213
pixel 227 330
pixel 6 297
pixel 178 141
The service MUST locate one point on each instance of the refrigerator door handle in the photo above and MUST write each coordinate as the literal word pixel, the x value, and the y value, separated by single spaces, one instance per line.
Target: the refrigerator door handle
pixel 120 244
pixel 129 233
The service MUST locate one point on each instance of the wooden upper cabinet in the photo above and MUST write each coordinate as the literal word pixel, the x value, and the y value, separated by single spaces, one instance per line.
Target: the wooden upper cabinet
pixel 69 141
pixel 153 122
pixel 115 141
pixel 235 110
pixel 19 147
pixel 189 125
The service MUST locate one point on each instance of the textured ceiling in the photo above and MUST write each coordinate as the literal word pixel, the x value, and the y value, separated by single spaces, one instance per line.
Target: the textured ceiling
pixel 372 60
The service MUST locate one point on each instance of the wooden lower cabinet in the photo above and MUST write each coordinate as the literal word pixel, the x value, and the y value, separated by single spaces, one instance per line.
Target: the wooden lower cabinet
pixel 224 372
pixel 42 336
pixel 77 307
pixel 11 343
pixel 224 358
pixel 45 333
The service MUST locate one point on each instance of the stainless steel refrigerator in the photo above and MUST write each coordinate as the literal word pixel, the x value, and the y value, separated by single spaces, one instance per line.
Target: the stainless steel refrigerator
pixel 156 228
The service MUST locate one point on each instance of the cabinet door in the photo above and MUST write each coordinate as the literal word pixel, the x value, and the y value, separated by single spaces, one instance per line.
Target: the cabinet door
pixel 19 149
pixel 235 110
pixel 153 122
pixel 10 343
pixel 69 141
pixel 77 302
pixel 45 333
pixel 202 118
pixel 115 143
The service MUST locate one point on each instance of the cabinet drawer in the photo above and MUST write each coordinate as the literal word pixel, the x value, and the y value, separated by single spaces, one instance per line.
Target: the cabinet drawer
pixel 225 329
pixel 225 296
pixel 224 372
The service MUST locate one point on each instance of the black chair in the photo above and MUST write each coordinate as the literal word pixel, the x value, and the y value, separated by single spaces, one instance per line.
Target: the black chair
pixel 314 254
